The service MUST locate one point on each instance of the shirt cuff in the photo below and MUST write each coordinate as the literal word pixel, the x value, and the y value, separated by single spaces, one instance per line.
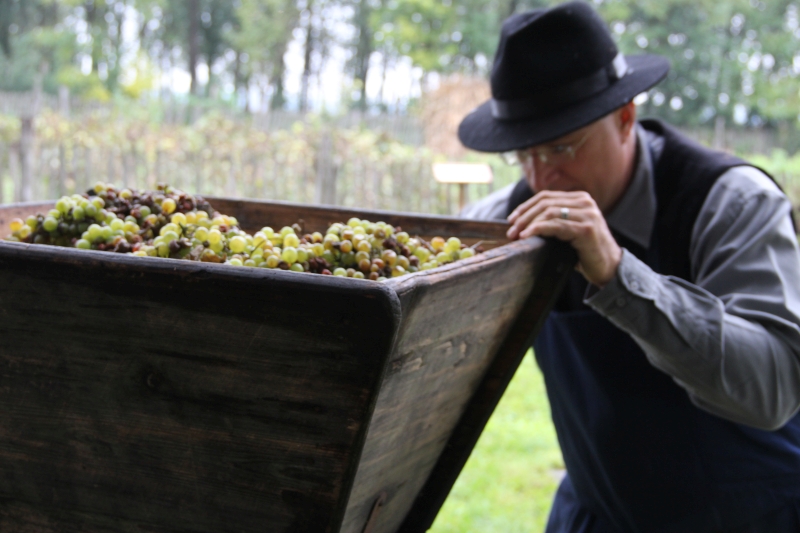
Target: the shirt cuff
pixel 633 278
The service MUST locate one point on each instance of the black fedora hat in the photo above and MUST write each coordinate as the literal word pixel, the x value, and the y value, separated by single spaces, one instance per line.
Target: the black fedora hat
pixel 555 71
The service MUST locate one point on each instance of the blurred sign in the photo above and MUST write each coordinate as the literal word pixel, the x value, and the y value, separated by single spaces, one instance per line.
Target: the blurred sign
pixel 462 173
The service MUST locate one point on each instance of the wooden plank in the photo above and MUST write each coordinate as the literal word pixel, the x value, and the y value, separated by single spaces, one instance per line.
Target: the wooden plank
pixel 454 321
pixel 175 396
pixel 551 274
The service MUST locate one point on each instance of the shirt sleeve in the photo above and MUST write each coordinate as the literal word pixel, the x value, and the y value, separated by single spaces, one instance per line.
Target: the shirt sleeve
pixel 492 207
pixel 731 339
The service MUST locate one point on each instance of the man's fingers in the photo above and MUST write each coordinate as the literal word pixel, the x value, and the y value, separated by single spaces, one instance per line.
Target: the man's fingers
pixel 565 230
pixel 572 199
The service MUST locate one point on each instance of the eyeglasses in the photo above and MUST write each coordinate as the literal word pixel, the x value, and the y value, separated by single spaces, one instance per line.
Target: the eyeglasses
pixel 553 154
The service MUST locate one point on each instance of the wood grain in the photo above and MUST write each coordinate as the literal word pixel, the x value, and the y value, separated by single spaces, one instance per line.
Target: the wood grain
pixel 174 396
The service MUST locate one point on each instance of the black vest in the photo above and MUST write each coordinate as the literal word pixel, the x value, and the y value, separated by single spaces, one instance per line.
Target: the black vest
pixel 638 453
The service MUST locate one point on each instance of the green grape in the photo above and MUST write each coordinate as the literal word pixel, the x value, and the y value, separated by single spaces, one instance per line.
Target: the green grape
pixel 106 233
pixel 466 252
pixel 78 213
pixel 55 213
pixel 398 271
pixel 402 261
pixel 291 240
pixel 201 234
pixel 168 206
pixel 98 202
pixel 339 272
pixel 268 232
pixel 329 257
pixel 90 210
pixel 390 257
pixel 297 267
pixel 179 219
pixel 214 236
pixel 116 224
pixel 170 236
pixel 24 232
pixel 235 262
pixel 83 244
pixel 358 275
pixel 32 222
pixel 272 261
pixel 354 222
pixel 348 259
pixel 94 232
pixel 422 254
pixel 50 224
pixel 443 257
pixel 170 227
pixel 217 247
pixel 453 244
pixel 145 211
pixel 250 263
pixel 286 230
pixel 302 255
pixel 237 244
pixel 289 255
pixel 64 204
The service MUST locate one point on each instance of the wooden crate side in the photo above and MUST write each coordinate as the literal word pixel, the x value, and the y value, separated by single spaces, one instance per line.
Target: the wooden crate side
pixel 550 273
pixel 158 395
pixel 455 320
pixel 253 215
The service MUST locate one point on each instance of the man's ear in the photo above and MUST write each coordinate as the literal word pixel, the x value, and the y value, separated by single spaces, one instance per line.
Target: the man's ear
pixel 627 118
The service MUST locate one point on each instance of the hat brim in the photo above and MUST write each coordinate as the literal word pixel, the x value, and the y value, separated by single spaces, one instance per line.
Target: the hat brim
pixel 483 132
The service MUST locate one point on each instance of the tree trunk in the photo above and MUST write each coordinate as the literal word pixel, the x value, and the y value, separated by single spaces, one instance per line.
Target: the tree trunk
pixel 364 51
pixel 194 30
pixel 309 49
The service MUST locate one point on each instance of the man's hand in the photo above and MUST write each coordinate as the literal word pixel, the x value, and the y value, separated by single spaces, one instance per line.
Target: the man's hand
pixel 584 228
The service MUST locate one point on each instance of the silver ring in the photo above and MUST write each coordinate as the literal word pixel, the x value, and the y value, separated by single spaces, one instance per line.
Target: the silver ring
pixel 565 213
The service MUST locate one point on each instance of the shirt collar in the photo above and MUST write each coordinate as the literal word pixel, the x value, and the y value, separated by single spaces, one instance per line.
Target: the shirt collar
pixel 635 213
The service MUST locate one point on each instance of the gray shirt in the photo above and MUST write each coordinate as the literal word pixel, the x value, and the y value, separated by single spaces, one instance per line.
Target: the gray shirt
pixel 731 339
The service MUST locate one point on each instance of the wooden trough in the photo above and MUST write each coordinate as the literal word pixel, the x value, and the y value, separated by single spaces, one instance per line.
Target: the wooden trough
pixel 153 395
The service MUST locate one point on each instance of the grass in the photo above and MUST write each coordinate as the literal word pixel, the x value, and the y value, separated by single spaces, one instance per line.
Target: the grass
pixel 508 483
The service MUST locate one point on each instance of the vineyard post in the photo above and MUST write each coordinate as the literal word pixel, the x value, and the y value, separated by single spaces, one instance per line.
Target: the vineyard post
pixel 26 140
pixel 326 173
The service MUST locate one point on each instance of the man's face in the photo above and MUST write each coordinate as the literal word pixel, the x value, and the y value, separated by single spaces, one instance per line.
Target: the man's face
pixel 602 163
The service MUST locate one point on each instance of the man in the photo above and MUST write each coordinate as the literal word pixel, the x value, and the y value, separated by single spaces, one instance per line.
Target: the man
pixel 672 359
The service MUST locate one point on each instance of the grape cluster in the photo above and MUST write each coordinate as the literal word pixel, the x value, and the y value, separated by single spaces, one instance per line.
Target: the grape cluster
pixel 170 223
